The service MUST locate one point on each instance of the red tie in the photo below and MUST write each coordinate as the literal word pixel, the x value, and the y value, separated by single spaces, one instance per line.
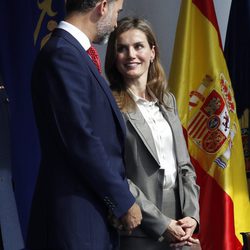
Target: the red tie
pixel 95 57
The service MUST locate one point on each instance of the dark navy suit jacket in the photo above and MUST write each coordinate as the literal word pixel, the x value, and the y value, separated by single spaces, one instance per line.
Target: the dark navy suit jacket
pixel 81 135
pixel 10 232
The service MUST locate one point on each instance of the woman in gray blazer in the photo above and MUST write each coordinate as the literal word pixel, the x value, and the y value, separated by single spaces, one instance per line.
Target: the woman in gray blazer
pixel 161 175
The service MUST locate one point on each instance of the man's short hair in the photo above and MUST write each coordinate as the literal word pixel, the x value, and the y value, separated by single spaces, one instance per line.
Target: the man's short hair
pixel 81 5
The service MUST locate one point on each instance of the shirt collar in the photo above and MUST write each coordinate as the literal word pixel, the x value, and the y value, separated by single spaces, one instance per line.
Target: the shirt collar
pixel 138 99
pixel 76 33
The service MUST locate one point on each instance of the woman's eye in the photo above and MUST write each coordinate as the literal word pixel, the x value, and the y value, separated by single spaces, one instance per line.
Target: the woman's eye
pixel 138 46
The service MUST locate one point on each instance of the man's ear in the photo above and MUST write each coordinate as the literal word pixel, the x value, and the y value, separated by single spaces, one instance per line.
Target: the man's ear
pixel 102 7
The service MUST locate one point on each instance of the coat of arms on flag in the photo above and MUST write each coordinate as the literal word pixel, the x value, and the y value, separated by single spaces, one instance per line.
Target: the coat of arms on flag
pixel 210 127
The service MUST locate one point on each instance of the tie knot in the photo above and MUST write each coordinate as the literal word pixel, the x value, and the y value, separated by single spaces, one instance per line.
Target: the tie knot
pixel 95 57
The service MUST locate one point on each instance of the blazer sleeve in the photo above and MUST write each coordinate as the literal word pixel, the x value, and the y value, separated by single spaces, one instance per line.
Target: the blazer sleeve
pixel 70 97
pixel 154 222
pixel 189 190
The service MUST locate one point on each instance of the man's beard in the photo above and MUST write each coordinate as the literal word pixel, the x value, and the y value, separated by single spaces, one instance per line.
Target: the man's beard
pixel 104 28
pixel 102 38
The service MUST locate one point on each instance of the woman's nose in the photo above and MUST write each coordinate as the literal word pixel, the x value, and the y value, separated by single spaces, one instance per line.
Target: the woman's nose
pixel 131 52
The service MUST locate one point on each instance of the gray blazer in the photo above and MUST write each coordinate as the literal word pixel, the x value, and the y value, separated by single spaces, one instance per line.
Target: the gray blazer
pixel 146 177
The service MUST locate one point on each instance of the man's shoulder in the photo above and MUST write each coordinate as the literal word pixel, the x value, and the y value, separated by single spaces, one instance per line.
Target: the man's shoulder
pixel 61 44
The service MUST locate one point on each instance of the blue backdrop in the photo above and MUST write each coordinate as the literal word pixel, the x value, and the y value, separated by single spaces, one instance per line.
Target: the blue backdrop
pixel 25 27
pixel 237 54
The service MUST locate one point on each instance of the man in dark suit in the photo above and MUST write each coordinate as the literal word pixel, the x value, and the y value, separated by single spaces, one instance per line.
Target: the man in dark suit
pixel 81 132
pixel 10 231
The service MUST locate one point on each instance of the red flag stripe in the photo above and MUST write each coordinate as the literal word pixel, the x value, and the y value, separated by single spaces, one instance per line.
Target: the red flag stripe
pixel 220 211
pixel 194 123
pixel 207 9
pixel 200 129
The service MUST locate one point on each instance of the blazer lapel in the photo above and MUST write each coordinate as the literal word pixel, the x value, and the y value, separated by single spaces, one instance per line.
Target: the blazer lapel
pixel 100 80
pixel 142 128
pixel 176 128
pixel 170 117
pixel 167 115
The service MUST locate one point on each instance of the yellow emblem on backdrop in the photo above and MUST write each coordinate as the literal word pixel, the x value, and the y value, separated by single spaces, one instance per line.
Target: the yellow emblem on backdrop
pixel 46 9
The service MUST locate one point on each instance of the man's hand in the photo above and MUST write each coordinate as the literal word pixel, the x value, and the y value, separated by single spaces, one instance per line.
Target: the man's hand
pixel 132 218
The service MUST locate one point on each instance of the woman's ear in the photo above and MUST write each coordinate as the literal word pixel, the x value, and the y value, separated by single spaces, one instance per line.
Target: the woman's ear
pixel 152 53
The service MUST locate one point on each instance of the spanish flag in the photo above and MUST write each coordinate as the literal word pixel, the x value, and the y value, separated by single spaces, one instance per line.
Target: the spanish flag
pixel 200 81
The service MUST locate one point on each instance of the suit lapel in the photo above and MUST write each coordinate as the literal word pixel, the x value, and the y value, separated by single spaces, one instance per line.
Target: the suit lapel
pixel 100 80
pixel 104 85
pixel 142 128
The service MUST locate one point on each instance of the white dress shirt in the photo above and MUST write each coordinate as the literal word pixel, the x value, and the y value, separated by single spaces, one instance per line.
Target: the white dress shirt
pixel 162 135
pixel 76 33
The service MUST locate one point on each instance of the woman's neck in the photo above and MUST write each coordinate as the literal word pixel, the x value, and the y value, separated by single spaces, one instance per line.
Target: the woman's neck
pixel 139 88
